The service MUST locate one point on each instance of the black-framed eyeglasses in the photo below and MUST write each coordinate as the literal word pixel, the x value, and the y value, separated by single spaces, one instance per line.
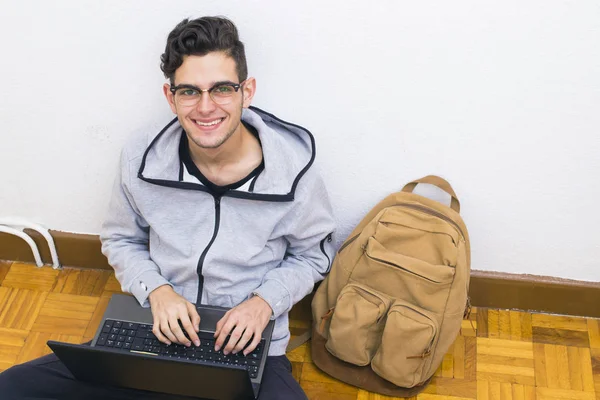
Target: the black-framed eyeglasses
pixel 189 95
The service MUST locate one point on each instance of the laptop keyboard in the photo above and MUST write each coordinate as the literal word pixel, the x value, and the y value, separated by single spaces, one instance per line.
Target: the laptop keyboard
pixel 128 336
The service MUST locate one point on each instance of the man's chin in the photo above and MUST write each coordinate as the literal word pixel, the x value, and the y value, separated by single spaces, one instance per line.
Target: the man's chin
pixel 209 140
pixel 209 143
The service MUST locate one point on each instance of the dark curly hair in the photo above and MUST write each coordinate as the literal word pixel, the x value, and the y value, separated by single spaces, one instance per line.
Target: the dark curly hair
pixel 199 37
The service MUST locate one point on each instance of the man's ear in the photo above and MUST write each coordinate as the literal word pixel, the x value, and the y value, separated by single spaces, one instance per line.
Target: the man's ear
pixel 170 97
pixel 249 89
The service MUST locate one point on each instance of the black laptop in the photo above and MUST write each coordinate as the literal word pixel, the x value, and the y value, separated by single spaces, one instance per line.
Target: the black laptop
pixel 125 352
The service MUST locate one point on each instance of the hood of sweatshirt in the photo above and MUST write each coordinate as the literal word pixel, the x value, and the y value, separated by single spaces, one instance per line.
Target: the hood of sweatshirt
pixel 288 152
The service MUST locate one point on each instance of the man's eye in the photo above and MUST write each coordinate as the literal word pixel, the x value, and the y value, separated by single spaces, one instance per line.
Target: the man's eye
pixel 188 92
pixel 223 89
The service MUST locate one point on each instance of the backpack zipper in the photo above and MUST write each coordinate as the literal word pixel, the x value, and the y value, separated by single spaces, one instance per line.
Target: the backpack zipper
pixel 414 207
pixel 324 319
pixel 399 266
pixel 432 212
pixel 352 239
pixel 425 354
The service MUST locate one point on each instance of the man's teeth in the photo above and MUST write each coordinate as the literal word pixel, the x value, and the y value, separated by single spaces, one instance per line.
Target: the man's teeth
pixel 216 121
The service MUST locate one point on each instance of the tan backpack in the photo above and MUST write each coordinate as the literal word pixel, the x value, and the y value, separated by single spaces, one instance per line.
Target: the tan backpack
pixel 394 300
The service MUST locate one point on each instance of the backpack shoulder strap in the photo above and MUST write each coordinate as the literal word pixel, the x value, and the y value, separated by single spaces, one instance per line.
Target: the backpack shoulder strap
pixel 298 341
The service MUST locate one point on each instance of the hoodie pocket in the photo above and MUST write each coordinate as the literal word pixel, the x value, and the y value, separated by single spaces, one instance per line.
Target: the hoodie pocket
pixel 356 324
pixel 406 344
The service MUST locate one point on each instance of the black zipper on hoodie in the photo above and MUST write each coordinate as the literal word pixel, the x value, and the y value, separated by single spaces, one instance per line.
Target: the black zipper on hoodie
pixel 203 256
pixel 328 239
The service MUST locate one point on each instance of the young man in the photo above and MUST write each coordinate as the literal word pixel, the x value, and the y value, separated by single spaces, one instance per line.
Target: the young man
pixel 221 207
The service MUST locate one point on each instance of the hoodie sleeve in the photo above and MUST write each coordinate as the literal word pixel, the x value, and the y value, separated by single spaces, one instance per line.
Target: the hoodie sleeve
pixel 124 238
pixel 308 230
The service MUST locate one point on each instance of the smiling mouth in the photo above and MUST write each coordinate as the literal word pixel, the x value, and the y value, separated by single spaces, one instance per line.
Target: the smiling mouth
pixel 208 124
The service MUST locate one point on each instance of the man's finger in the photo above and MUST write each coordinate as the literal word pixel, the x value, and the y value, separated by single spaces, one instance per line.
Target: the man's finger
pixel 235 336
pixel 165 330
pixel 158 333
pixel 221 323
pixel 191 332
pixel 255 341
pixel 243 341
pixel 193 312
pixel 176 329
pixel 224 331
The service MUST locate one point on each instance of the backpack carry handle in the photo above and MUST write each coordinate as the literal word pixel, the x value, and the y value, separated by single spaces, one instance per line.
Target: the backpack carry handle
pixel 440 183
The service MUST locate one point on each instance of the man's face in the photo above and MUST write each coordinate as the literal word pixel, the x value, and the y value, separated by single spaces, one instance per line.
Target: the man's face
pixel 208 125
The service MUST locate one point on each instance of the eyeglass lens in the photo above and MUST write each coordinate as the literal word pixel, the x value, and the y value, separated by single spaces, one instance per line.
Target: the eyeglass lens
pixel 220 94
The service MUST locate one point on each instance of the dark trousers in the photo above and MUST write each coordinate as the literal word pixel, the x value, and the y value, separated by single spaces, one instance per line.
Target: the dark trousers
pixel 48 378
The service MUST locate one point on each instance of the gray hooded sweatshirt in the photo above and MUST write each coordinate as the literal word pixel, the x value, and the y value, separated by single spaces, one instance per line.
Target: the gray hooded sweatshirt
pixel 271 237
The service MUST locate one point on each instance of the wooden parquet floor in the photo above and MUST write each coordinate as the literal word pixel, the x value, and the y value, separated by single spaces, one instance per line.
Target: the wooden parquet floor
pixel 500 355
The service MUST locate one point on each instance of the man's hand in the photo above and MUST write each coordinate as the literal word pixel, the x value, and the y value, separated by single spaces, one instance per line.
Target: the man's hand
pixel 168 308
pixel 245 321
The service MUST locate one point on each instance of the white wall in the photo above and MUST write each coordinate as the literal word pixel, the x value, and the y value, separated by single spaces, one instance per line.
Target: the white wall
pixel 500 97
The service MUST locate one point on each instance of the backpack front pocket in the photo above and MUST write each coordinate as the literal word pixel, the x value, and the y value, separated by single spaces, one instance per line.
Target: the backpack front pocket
pixel 419 232
pixel 404 278
pixel 356 324
pixel 406 344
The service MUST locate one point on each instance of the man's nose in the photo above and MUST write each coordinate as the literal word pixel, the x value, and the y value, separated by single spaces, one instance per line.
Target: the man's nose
pixel 206 103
